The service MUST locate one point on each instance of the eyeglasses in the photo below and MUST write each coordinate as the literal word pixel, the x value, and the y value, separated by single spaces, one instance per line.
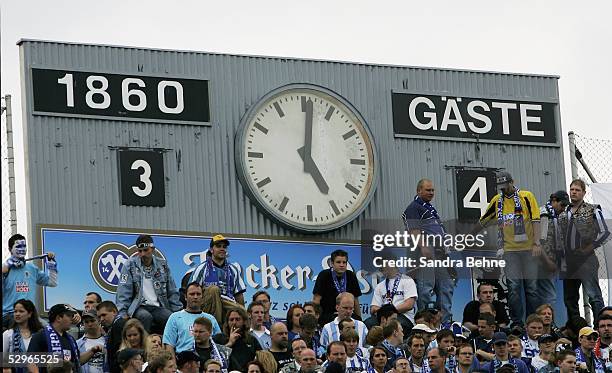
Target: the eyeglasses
pixel 591 337
pixel 145 249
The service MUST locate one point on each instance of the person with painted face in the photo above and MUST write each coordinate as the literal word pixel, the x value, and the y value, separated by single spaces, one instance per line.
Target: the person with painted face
pixel 517 215
pixel 222 281
pixel 19 278
pixel 146 289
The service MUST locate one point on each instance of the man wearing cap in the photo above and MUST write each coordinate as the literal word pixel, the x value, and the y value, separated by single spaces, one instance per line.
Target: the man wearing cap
pixel 130 360
pixel 517 215
pixel 502 356
pixel 146 288
pixel 546 343
pixel 585 357
pixel 91 345
pixel 188 362
pixel 20 278
pixel 421 217
pixel 222 281
pixel 585 230
pixel 553 255
pixel 54 338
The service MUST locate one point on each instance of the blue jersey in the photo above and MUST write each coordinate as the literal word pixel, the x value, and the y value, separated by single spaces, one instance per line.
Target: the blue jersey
pixel 20 283
pixel 179 326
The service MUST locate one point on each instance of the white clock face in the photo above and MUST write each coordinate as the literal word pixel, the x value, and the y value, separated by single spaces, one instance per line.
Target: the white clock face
pixel 307 158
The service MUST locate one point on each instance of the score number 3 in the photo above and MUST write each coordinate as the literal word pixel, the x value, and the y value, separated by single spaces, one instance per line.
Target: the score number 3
pixel 145 178
pixel 126 93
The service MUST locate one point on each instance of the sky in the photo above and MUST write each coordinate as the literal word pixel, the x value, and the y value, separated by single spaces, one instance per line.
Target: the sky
pixel 543 37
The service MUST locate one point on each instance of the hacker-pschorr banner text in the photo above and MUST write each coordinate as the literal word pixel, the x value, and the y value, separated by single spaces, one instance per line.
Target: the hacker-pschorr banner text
pixel 469 118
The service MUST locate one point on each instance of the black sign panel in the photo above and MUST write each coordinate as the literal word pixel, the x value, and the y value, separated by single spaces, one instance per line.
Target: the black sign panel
pixel 470 118
pixel 77 93
pixel 475 188
pixel 141 178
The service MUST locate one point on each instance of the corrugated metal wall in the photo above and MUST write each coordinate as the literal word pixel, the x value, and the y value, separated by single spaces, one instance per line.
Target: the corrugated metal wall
pixel 73 170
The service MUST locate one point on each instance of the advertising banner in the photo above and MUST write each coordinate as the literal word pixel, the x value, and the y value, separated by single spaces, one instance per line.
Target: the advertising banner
pixel 91 260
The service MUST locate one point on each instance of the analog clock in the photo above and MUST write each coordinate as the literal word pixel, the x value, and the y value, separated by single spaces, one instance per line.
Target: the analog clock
pixel 306 157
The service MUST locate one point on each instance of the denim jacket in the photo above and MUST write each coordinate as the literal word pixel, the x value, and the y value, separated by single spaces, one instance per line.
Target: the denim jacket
pixel 129 291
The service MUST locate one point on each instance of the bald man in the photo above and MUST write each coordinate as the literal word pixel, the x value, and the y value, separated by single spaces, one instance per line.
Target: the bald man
pixel 280 343
pixel 344 306
pixel 308 362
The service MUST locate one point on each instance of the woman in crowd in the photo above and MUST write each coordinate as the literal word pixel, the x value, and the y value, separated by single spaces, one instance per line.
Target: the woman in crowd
pixel 256 367
pixel 154 345
pixel 267 361
pixel 25 323
pixel 378 359
pixel 212 366
pixel 293 320
pixel 236 336
pixel 134 336
pixel 162 363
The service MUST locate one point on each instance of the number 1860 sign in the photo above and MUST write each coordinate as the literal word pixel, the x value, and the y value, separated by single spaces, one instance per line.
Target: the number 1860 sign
pixel 147 98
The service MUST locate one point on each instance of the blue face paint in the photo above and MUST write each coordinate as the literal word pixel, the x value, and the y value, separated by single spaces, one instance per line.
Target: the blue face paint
pixel 19 249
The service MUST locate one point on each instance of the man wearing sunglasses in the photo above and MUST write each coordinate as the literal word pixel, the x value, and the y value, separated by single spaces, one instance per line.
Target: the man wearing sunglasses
pixel 586 360
pixel 222 281
pixel 146 288
pixel 502 356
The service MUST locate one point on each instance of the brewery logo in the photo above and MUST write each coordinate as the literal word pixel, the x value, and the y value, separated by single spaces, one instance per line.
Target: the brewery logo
pixel 107 262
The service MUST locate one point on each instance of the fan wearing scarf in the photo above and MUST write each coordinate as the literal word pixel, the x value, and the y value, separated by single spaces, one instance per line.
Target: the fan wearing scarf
pixel 146 288
pixel 54 338
pixel 502 356
pixel 517 214
pixel 223 285
pixel 421 217
pixel 552 258
pixel 19 278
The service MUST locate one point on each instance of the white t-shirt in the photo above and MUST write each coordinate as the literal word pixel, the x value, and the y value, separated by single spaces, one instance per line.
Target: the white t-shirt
pixel 406 288
pixel 537 362
pixel 96 363
pixel 148 292
pixel 7 341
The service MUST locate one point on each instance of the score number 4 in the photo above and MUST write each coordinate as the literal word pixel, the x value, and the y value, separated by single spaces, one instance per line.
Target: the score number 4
pixel 126 93
pixel 480 187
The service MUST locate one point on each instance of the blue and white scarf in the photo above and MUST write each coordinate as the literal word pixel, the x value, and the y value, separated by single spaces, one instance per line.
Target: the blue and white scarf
pixel 496 364
pixel 215 354
pixel 18 346
pixel 211 276
pixel 424 368
pixel 432 211
pixel 397 352
pixel 55 346
pixel 580 358
pixel 340 286
pixel 519 224
pixel 390 294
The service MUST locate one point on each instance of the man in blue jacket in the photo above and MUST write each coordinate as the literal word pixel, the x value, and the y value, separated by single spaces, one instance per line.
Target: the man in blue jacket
pixel 502 356
pixel 146 288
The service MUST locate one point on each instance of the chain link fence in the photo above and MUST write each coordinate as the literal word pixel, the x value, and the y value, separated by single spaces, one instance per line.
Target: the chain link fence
pixel 591 161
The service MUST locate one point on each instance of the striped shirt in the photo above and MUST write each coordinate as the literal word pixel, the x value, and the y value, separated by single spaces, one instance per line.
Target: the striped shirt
pixel 201 272
pixel 331 332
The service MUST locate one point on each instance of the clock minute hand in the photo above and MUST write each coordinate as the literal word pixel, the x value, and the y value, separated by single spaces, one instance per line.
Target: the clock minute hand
pixel 311 168
pixel 308 108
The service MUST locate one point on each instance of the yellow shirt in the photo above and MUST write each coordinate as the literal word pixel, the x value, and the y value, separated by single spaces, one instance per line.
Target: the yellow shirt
pixel 530 211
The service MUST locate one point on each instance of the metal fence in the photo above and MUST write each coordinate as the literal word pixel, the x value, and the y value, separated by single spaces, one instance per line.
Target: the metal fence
pixel 591 161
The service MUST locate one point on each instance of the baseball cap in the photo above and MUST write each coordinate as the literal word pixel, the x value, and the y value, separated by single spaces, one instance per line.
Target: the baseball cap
pixel 58 309
pixel 586 331
pixel 547 338
pixel 503 178
pixel 89 313
pixel 184 357
pixel 126 354
pixel 423 328
pixel 561 196
pixel 500 337
pixel 218 238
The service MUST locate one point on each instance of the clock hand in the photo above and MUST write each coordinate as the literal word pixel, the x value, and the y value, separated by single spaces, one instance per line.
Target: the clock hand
pixel 311 168
pixel 308 133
